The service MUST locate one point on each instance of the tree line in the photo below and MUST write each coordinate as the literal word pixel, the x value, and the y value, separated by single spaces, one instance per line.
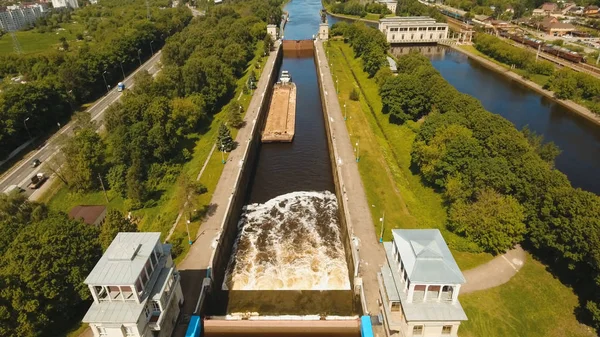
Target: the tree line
pixel 44 259
pixel 499 183
pixel 565 83
pixel 356 8
pixel 119 38
pixel 367 43
pixel 416 8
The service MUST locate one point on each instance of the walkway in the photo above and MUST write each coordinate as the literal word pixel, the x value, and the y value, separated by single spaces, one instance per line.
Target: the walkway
pixel 494 273
pixel 356 207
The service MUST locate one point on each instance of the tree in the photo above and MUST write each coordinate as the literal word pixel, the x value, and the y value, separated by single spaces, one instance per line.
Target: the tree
pixel 493 221
pixel 84 159
pixel 114 223
pixel 234 116
pixel 42 273
pixel 224 140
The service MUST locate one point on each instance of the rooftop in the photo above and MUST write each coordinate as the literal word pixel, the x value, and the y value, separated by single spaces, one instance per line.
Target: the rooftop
pixel 407 19
pixel 419 311
pixel 124 259
pixel 87 213
pixel 426 256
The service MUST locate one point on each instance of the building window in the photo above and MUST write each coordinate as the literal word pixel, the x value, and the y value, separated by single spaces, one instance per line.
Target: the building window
pixel 155 308
pixel 101 331
pixel 412 36
pixel 402 36
pixel 393 36
pixel 418 330
pixel 441 35
pixel 421 36
pixel 395 306
pixel 446 329
pixel 431 36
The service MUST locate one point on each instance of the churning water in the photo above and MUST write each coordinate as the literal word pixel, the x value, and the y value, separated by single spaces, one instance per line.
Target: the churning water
pixel 291 242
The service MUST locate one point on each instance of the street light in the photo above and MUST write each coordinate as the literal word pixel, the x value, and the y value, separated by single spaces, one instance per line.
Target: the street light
pixel 151 49
pixel 357 151
pixel 26 128
pixel 187 227
pixel 122 71
pixel 139 57
pixel 345 112
pixel 222 154
pixel 105 83
pixel 337 86
pixel 69 95
pixel 382 227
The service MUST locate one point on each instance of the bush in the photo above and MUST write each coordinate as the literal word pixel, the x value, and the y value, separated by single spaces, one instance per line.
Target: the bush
pixel 354 94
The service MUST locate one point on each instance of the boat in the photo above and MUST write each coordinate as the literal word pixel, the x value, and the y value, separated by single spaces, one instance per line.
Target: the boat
pixel 285 77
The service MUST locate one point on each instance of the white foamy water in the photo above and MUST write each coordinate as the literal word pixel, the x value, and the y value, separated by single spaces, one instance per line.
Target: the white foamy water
pixel 291 242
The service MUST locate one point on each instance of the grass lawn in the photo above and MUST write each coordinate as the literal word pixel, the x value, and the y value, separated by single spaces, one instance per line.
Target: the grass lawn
pixel 531 304
pixel 161 216
pixel 536 78
pixel 33 42
pixel 385 148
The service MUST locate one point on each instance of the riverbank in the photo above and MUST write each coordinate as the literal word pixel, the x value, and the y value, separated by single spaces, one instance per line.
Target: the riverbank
pixel 569 104
pixel 350 17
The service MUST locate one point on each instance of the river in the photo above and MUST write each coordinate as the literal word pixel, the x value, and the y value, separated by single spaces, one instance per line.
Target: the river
pixel 578 139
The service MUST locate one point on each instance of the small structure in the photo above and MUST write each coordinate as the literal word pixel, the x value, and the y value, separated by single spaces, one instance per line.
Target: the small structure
pixel 281 118
pixel 590 10
pixel 90 214
pixel 272 30
pixel 419 285
pixel 551 25
pixel 390 4
pixel 65 4
pixel 549 7
pixel 413 29
pixel 392 63
pixel 324 31
pixel 135 288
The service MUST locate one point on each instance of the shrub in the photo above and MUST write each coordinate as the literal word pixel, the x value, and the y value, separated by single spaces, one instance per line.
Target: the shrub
pixel 354 94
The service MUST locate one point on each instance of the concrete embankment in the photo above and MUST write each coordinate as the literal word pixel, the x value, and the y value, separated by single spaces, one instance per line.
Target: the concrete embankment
pixel 351 193
pixel 281 118
pixel 572 106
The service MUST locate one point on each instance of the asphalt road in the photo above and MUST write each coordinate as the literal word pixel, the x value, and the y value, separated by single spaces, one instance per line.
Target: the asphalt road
pixel 20 174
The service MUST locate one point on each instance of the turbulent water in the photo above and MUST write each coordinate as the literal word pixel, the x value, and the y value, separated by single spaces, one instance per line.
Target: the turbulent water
pixel 291 242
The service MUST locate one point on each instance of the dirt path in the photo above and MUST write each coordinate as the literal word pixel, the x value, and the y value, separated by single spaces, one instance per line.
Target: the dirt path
pixel 494 273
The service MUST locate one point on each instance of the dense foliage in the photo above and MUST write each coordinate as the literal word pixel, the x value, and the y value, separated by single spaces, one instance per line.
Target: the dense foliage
pixel 508 54
pixel 368 43
pixel 500 183
pixel 416 8
pixel 44 258
pixel 569 84
pixel 59 80
pixel 354 7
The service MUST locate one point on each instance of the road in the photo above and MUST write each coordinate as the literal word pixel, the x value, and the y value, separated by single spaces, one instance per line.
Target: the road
pixel 20 174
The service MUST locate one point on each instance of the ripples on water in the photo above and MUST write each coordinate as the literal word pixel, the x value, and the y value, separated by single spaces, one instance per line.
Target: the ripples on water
pixel 291 242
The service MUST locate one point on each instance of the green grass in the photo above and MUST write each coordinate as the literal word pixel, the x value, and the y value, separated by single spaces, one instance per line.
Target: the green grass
pixel 536 78
pixel 531 304
pixel 76 330
pixel 33 42
pixel 161 217
pixel 385 159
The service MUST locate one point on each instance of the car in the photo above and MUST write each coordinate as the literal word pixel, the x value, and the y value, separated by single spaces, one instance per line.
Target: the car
pixel 35 163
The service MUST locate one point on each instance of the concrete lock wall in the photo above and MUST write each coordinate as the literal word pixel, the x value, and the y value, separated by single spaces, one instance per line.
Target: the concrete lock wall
pixel 282 327
pixel 297 45
pixel 227 238
pixel 346 236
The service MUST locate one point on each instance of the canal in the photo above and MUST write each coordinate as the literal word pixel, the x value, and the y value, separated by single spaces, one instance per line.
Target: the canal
pixel 577 138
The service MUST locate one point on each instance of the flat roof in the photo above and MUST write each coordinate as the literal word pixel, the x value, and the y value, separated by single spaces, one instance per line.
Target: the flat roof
pixel 124 259
pixel 426 256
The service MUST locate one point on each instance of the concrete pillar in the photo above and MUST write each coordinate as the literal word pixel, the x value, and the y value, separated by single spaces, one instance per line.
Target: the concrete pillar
pixel 324 31
pixel 455 291
pixel 440 292
pixel 425 296
pixel 411 292
pixel 94 294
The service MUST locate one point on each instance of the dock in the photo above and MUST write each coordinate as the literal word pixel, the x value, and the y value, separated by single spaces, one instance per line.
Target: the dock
pixel 281 119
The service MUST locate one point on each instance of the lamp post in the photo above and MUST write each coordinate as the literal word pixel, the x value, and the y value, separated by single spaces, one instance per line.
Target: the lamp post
pixel 357 151
pixel 151 49
pixel 69 95
pixel 337 86
pixel 345 112
pixel 382 219
pixel 187 227
pixel 105 83
pixel 26 128
pixel 122 71
pixel 222 154
pixel 139 57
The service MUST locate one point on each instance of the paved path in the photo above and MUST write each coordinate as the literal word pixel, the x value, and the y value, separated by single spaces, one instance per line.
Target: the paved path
pixel 494 273
pixel 193 267
pixel 358 213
